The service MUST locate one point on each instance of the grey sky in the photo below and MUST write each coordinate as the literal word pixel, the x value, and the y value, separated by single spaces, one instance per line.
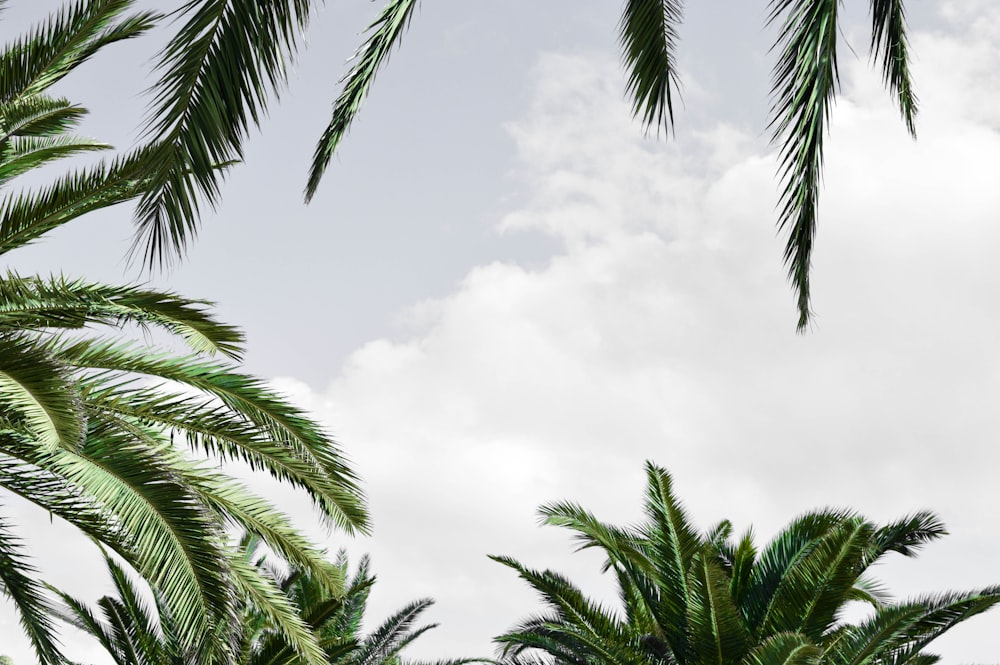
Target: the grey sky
pixel 503 295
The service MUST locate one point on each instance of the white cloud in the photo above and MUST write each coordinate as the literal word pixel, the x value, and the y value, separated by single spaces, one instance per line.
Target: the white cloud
pixel 664 330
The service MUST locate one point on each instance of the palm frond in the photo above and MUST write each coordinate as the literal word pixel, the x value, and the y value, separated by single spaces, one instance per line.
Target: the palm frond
pixel 217 73
pixel 164 531
pixel 17 582
pixel 26 153
pixel 905 536
pixel 717 631
pixel 37 393
pixel 781 555
pixel 889 42
pixel 804 85
pixel 38 115
pixel 59 302
pixel 784 649
pixel 648 33
pixel 268 599
pixel 339 498
pixel 383 35
pixel 66 40
pixel 28 215
pixel 815 587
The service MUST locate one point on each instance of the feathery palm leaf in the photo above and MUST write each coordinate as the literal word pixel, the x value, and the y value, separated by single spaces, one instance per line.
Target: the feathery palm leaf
pixel 648 32
pixel 218 72
pixel 384 34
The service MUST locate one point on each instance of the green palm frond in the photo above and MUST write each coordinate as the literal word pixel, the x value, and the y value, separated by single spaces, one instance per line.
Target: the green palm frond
pixel 26 216
pixel 805 83
pixel 905 536
pixel 37 392
pixel 59 302
pixel 783 606
pixel 889 42
pixel 815 587
pixel 267 599
pixel 718 635
pixel 784 649
pixel 781 555
pixel 69 38
pixel 38 115
pixel 166 533
pixel 648 33
pixel 217 74
pixel 18 582
pixel 21 154
pixel 339 498
pixel 383 35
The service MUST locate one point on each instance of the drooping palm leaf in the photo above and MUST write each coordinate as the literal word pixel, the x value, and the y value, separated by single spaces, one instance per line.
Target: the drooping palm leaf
pixel 804 85
pixel 648 33
pixel 217 74
pixel 384 34
pixel 889 42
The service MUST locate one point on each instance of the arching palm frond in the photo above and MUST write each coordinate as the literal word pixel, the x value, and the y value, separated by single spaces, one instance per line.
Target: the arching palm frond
pixel 72 35
pixel 294 619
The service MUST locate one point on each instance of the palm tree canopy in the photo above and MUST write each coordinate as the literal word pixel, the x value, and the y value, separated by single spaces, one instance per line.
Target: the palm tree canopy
pixel 135 632
pixel 228 58
pixel 693 598
pixel 89 417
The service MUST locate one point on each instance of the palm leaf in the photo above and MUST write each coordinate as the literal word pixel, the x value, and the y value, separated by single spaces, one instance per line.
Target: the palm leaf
pixel 26 153
pixel 784 649
pixel 338 498
pixel 37 393
pixel 38 115
pixel 804 85
pixel 28 215
pixel 68 39
pixel 60 302
pixel 718 636
pixel 648 32
pixel 217 73
pixel 383 34
pixel 18 583
pixel 890 43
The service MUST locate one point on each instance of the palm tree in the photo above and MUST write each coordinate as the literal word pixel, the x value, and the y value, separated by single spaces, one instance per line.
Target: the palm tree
pixel 697 599
pixel 135 633
pixel 89 417
pixel 229 56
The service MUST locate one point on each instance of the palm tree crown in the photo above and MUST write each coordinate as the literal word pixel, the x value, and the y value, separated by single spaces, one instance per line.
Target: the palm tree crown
pixel 691 598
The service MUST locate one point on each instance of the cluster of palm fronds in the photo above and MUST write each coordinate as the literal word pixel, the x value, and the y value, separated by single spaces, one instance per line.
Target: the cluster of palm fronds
pixel 229 56
pixel 90 420
pixel 135 632
pixel 115 437
pixel 697 599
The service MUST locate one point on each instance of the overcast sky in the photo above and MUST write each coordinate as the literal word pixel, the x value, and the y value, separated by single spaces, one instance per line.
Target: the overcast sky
pixel 504 295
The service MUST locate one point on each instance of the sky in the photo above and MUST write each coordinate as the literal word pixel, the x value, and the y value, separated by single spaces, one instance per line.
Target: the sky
pixel 507 294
